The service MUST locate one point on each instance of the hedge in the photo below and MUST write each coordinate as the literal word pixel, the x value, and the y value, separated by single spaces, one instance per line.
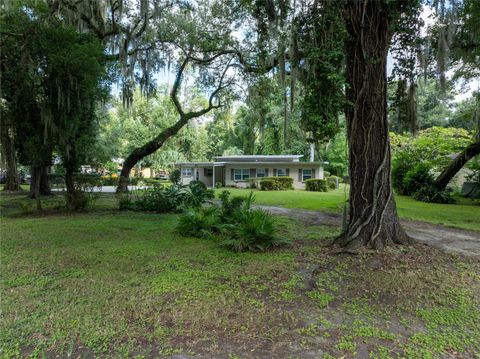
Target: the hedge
pixel 316 185
pixel 332 181
pixel 276 183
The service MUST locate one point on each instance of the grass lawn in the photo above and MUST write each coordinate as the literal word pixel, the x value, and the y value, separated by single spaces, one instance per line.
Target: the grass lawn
pixel 123 284
pixel 463 214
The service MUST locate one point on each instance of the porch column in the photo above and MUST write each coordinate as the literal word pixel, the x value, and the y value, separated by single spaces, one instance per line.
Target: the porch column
pixel 213 176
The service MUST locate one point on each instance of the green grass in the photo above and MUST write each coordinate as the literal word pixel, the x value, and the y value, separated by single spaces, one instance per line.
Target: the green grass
pixel 463 214
pixel 122 284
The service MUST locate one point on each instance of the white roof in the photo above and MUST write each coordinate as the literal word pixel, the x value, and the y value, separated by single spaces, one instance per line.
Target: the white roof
pixel 259 158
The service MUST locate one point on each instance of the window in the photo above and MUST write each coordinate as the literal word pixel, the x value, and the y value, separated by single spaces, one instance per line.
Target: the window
pixel 241 174
pixel 260 172
pixel 187 172
pixel 307 174
pixel 281 172
pixel 208 172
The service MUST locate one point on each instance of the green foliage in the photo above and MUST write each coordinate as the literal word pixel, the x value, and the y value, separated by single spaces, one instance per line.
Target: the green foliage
pixel 322 34
pixel 268 185
pixel 240 227
pixel 276 183
pixel 253 230
pixel 199 222
pixel 175 176
pixel 231 205
pixel 430 194
pixel 332 181
pixel 416 178
pixel 316 185
pixel 432 146
pixel 173 198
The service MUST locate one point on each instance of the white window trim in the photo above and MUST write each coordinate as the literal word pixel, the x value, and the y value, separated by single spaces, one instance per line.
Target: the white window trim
pixel 244 174
pixel 185 171
pixel 309 176
pixel 284 171
pixel 263 174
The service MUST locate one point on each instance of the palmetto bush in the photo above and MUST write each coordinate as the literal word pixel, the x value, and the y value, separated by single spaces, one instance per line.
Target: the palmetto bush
pixel 174 198
pixel 241 227
pixel 252 230
pixel 199 222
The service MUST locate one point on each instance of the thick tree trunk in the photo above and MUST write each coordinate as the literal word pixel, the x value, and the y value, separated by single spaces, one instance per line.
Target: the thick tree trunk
pixel 145 150
pixel 12 180
pixel 71 192
pixel 40 172
pixel 372 218
pixel 456 165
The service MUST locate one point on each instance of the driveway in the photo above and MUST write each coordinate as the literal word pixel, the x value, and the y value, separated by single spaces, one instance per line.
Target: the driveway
pixel 449 239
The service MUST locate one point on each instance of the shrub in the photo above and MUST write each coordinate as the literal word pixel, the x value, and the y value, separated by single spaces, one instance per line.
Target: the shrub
pixel 316 185
pixel 332 182
pixel 253 230
pixel 230 205
pixel 219 185
pixel 109 180
pixel 199 222
pixel 416 178
pixel 199 194
pixel 268 185
pixel 276 183
pixel 200 184
pixel 401 164
pixel 284 182
pixel 432 195
pixel 79 201
pixel 56 180
pixel 174 198
pixel 240 227
pixel 175 176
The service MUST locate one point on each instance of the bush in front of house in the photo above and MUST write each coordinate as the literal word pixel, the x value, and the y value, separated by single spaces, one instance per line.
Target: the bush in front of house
pixel 268 185
pixel 316 185
pixel 332 182
pixel 253 230
pixel 175 176
pixel 240 227
pixel 156 183
pixel 173 198
pixel 276 183
pixel 199 222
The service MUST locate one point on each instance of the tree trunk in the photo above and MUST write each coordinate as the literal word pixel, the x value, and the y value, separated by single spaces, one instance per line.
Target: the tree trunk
pixel 456 165
pixel 71 192
pixel 12 180
pixel 40 172
pixel 145 150
pixel 35 186
pixel 372 218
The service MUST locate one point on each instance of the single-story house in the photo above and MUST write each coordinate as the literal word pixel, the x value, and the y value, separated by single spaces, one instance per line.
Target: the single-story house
pixel 236 170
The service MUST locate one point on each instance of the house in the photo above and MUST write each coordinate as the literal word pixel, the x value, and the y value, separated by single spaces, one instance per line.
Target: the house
pixel 236 170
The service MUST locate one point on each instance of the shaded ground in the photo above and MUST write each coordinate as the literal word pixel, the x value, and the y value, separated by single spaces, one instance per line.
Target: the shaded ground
pixel 449 239
pixel 111 285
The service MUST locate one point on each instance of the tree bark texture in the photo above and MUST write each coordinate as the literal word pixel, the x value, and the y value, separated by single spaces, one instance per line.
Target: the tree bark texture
pixel 43 189
pixel 456 165
pixel 147 149
pixel 12 180
pixel 372 216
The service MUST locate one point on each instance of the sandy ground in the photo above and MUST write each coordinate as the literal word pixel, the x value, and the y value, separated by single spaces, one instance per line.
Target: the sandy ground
pixel 449 239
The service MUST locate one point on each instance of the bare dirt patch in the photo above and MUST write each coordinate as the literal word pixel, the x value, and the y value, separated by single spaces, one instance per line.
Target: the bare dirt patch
pixel 449 239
